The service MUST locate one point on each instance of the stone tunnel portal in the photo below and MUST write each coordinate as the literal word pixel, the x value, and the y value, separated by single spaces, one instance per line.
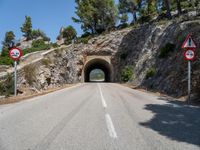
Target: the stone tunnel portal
pixel 98 63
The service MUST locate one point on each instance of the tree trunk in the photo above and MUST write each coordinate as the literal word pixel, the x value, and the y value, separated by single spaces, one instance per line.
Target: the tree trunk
pixel 178 3
pixel 134 17
pixel 167 5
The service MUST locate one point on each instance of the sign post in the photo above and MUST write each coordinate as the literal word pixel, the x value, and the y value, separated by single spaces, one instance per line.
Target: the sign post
pixel 15 54
pixel 189 47
pixel 189 81
pixel 15 89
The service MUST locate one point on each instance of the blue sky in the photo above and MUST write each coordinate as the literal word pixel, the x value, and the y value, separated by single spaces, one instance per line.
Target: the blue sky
pixel 47 15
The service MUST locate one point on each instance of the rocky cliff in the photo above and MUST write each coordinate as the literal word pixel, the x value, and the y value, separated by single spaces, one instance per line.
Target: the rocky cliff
pixel 155 46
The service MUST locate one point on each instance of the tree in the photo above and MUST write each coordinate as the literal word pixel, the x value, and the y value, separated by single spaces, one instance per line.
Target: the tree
pixel 167 6
pixel 38 33
pixel 124 18
pixel 178 3
pixel 128 6
pixel 95 16
pixel 151 6
pixel 27 28
pixel 8 40
pixel 68 33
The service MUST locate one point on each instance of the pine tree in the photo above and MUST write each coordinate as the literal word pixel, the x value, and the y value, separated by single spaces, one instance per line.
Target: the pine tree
pixel 167 6
pixel 27 28
pixel 96 15
pixel 8 40
pixel 129 6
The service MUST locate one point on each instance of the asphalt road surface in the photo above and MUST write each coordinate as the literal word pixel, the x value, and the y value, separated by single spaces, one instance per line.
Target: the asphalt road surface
pixel 99 116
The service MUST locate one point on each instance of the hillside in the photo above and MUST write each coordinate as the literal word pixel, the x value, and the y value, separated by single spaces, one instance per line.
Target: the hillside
pixel 152 47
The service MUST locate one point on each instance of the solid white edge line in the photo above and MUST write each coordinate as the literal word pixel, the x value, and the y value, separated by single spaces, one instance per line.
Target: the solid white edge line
pixel 102 98
pixel 110 126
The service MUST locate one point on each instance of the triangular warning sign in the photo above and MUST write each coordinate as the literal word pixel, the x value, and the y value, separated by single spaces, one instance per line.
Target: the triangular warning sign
pixel 189 43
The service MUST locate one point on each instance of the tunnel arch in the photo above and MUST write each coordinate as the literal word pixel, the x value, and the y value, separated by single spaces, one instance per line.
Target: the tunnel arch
pixel 97 63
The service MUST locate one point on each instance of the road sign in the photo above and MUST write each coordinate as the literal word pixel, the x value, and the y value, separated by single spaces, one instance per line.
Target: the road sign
pixel 15 53
pixel 189 54
pixel 189 43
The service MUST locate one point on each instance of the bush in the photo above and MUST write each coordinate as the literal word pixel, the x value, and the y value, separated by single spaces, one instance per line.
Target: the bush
pixel 54 45
pixel 30 74
pixel 123 56
pixel 150 73
pixel 46 62
pixel 144 19
pixel 164 51
pixel 7 86
pixel 37 45
pixel 127 73
pixel 6 60
pixel 83 40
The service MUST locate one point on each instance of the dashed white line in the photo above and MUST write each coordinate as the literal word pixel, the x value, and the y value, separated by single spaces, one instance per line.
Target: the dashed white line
pixel 102 98
pixel 109 123
pixel 110 126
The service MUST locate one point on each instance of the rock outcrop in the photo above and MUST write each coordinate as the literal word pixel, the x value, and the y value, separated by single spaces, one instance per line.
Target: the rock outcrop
pixel 139 47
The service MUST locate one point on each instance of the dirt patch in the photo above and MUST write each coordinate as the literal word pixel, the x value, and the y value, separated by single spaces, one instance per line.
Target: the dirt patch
pixel 28 95
pixel 156 93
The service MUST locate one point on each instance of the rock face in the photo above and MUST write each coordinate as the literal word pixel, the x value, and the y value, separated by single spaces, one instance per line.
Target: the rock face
pixel 139 47
pixel 142 47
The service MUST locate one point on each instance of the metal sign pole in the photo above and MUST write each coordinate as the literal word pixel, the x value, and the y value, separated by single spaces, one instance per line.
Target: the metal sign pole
pixel 15 86
pixel 189 80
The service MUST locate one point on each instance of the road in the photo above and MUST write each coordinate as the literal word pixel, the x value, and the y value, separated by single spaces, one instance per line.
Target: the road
pixel 99 116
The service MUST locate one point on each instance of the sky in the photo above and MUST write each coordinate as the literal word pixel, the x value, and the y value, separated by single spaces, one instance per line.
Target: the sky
pixel 47 15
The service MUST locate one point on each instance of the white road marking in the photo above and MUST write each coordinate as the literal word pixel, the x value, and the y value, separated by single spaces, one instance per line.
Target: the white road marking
pixel 109 123
pixel 110 126
pixel 102 98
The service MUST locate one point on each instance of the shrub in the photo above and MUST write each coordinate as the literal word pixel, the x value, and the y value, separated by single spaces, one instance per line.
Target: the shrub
pixel 150 73
pixel 46 62
pixel 6 60
pixel 127 73
pixel 123 56
pixel 7 86
pixel 30 74
pixel 84 40
pixel 54 45
pixel 164 51
pixel 144 19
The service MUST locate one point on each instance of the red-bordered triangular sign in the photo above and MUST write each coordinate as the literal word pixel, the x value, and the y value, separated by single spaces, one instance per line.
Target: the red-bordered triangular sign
pixel 189 43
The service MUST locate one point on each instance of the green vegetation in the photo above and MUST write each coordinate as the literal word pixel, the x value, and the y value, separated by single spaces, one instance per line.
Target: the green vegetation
pixel 164 51
pixel 30 74
pixel 27 28
pixel 97 74
pixel 7 86
pixel 96 16
pixel 37 45
pixel 8 40
pixel 150 73
pixel 39 34
pixel 46 62
pixel 127 73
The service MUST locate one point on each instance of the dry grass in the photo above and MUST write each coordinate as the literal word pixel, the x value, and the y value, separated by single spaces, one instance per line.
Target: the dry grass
pixel 30 95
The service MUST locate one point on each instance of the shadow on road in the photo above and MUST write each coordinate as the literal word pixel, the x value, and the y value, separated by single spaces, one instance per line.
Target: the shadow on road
pixel 176 121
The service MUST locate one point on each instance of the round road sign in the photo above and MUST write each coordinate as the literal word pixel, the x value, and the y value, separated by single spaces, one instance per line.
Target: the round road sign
pixel 15 53
pixel 189 54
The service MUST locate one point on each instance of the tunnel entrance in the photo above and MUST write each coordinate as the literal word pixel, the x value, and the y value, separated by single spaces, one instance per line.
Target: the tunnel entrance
pixel 97 75
pixel 97 64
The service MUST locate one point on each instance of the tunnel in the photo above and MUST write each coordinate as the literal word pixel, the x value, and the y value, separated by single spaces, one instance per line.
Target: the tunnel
pixel 97 64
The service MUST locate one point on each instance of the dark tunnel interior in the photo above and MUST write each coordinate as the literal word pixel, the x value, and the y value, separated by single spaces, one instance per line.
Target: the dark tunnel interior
pixel 97 64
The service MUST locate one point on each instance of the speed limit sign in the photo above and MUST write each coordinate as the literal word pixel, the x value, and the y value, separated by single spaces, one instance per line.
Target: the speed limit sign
pixel 15 53
pixel 189 55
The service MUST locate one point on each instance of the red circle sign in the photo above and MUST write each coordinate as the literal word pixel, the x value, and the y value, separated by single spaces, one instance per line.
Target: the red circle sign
pixel 189 54
pixel 15 53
